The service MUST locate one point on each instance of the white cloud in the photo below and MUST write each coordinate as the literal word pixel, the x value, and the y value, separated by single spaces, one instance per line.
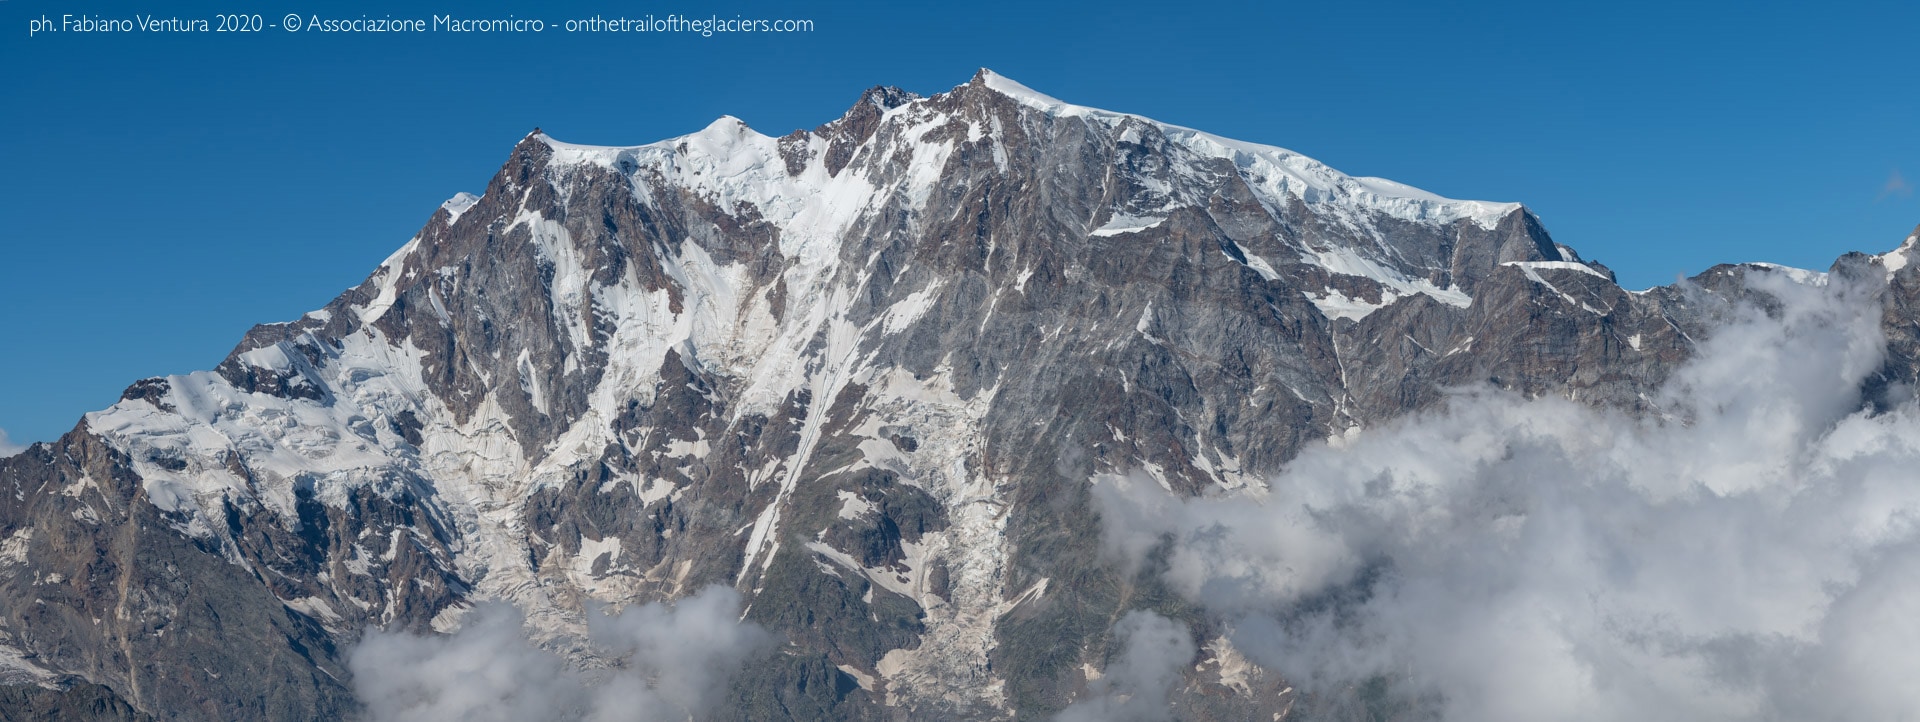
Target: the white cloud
pixel 672 661
pixel 7 447
pixel 1755 554
pixel 1134 688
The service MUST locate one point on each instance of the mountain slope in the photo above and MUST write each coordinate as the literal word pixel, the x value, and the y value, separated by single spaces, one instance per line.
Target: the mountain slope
pixel 863 374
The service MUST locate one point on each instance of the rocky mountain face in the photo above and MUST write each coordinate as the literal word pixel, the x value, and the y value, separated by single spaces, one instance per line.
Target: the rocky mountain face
pixel 862 374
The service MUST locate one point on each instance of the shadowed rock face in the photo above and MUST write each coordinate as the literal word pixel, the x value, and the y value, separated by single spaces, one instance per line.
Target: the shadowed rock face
pixel 863 374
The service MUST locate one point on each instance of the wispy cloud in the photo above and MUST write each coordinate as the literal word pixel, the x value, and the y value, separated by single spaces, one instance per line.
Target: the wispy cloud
pixel 1753 554
pixel 7 447
pixel 1134 687
pixel 1895 187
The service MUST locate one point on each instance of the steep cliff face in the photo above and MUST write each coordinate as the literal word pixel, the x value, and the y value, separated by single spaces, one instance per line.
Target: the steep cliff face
pixel 862 374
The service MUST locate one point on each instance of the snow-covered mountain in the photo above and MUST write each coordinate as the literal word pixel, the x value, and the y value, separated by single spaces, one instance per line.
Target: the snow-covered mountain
pixel 862 374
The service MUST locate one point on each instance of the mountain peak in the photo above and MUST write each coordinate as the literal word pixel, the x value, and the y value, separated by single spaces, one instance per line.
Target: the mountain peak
pixel 1292 172
pixel 1022 94
pixel 846 133
pixel 864 375
pixel 873 103
pixel 887 97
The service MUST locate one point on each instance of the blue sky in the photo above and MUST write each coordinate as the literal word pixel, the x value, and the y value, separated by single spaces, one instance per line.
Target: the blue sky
pixel 165 192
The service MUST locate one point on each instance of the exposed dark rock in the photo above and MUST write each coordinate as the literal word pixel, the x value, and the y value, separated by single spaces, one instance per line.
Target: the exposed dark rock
pixel 862 374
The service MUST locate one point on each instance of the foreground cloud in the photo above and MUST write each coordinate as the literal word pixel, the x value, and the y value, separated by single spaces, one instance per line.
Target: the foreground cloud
pixel 1752 554
pixel 672 661
pixel 1134 688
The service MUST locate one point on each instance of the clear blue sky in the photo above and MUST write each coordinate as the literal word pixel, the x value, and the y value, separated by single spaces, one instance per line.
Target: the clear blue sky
pixel 162 193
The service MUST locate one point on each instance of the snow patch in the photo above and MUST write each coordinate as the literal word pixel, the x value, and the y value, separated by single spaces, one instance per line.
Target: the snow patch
pixel 1559 266
pixel 386 283
pixel 901 315
pixel 1348 262
pixel 21 668
pixel 1258 264
pixel 1899 258
pixel 1804 277
pixel 1233 668
pixel 1533 274
pixel 13 550
pixel 459 204
pixel 852 506
pixel 1122 224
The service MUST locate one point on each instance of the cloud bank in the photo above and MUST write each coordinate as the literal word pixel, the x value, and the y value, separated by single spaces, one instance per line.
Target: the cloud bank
pixel 673 660
pixel 1752 553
